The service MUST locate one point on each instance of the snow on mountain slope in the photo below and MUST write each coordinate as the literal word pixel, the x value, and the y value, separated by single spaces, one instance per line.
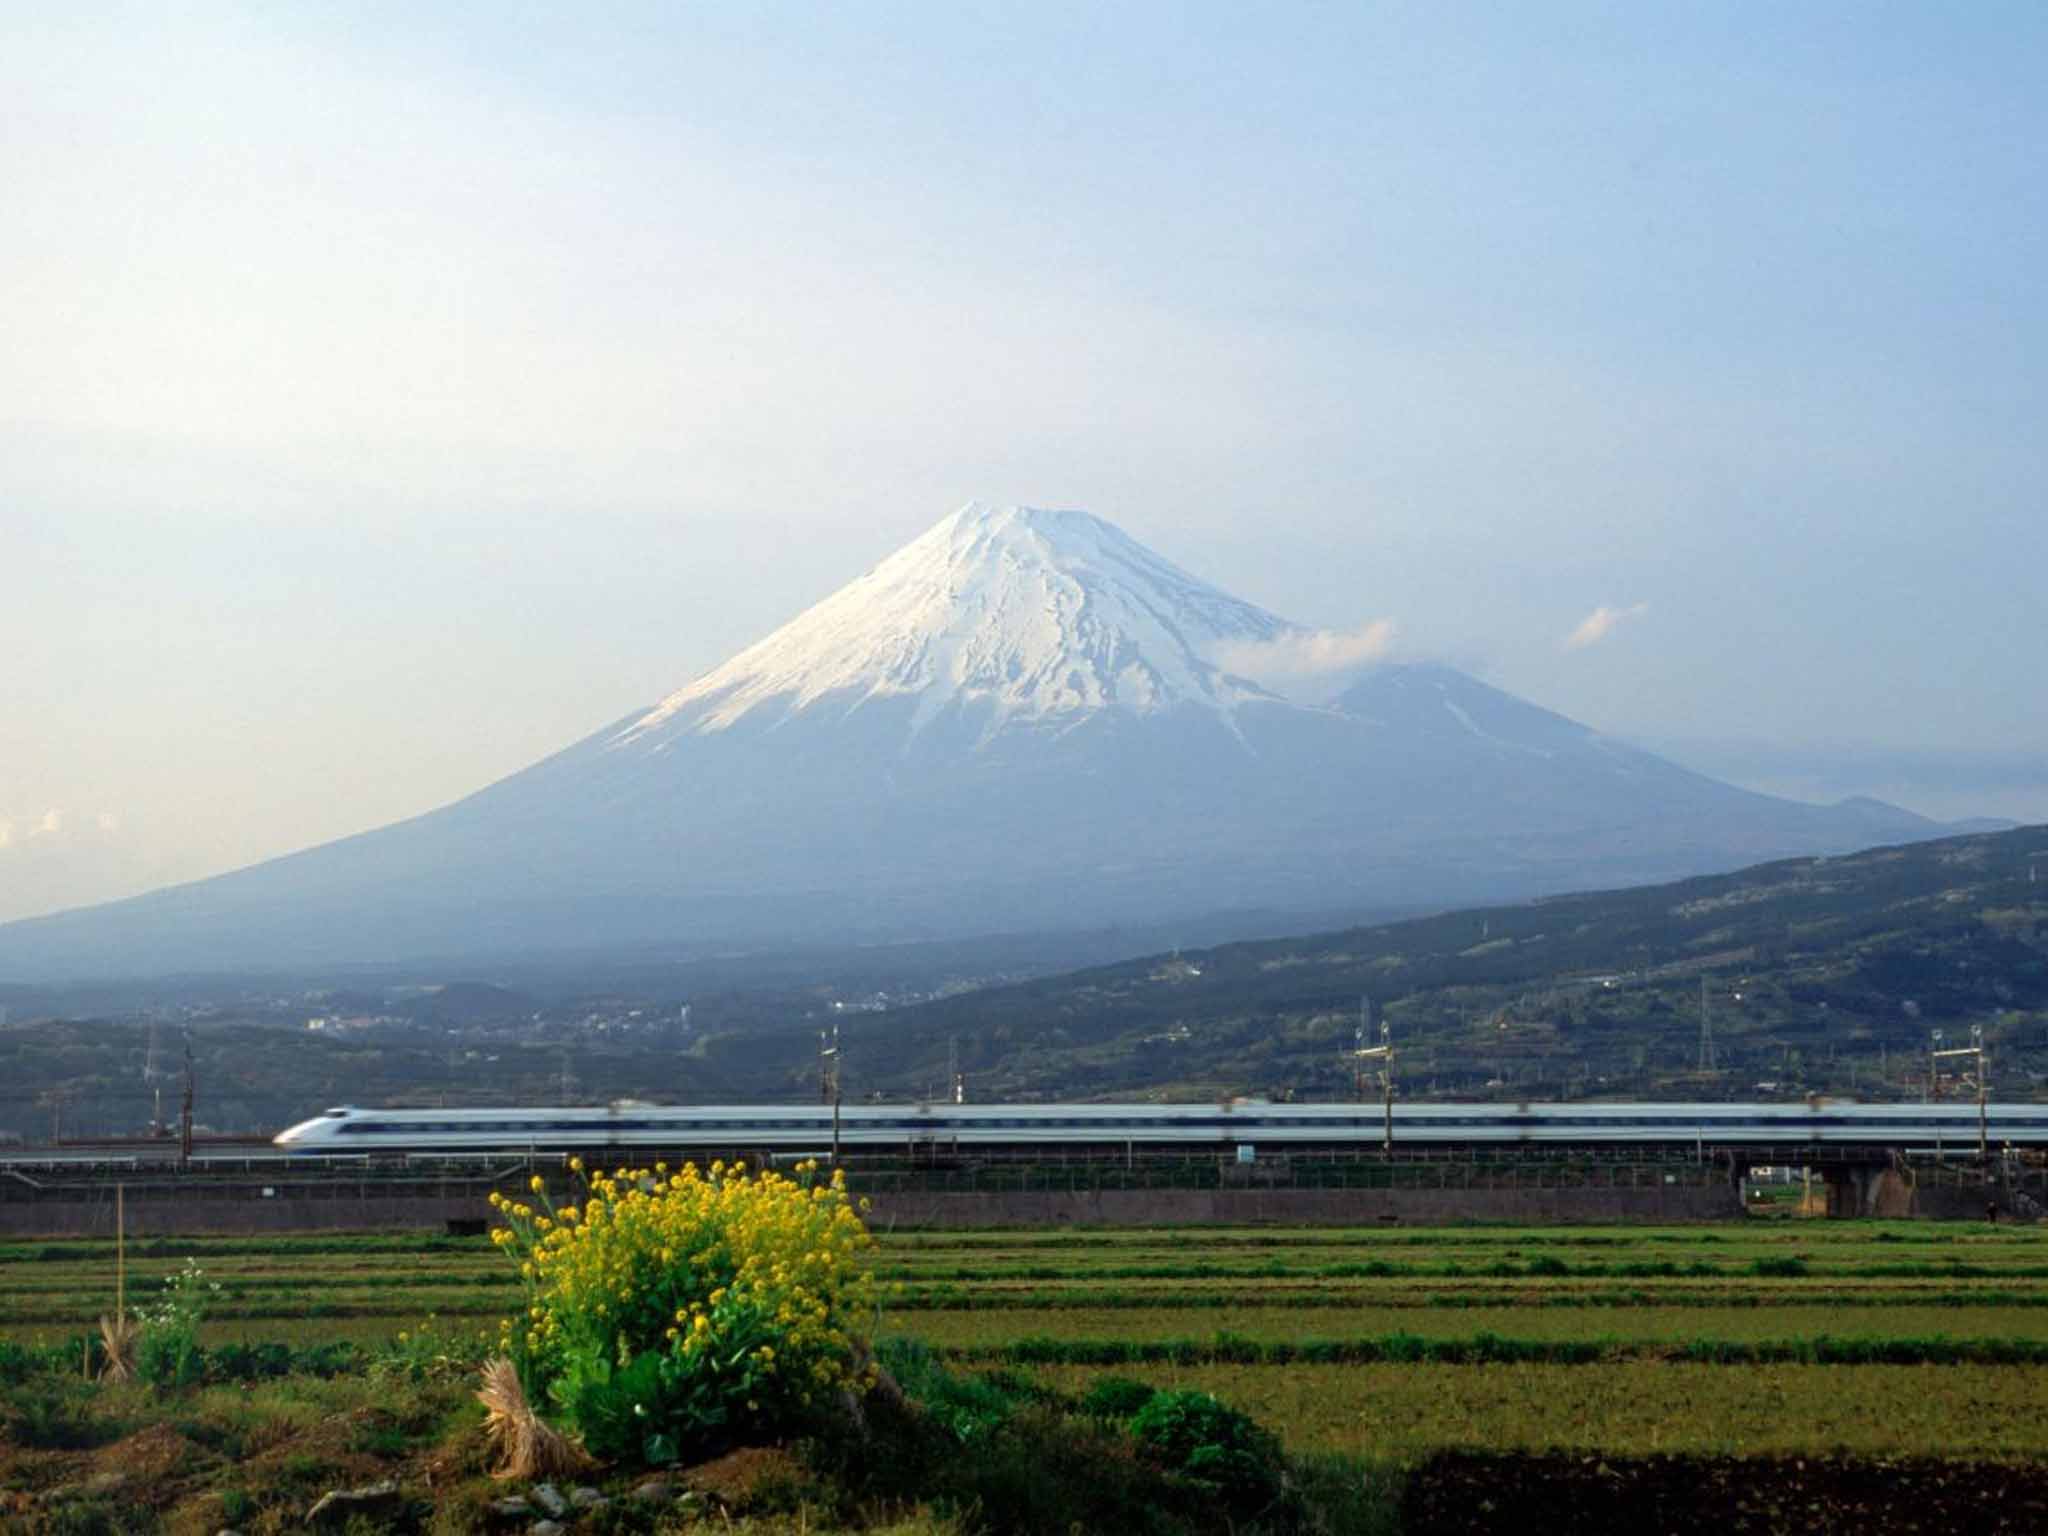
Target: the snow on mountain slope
pixel 1036 617
pixel 1021 721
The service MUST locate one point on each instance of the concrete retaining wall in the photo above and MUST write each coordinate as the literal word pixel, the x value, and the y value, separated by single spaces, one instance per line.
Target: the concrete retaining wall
pixel 1306 1207
pixel 1945 1195
pixel 1962 1202
pixel 177 1218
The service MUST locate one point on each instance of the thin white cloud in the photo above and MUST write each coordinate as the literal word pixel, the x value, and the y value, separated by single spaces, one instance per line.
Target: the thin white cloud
pixel 1600 623
pixel 1308 662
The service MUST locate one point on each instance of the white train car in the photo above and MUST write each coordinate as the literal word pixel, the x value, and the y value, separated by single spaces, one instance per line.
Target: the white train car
pixel 1162 1127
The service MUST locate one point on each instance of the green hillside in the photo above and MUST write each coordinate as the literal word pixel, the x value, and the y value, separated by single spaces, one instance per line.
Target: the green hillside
pixel 1817 975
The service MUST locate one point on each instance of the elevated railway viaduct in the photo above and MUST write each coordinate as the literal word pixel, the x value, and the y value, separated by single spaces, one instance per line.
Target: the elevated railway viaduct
pixel 1657 1173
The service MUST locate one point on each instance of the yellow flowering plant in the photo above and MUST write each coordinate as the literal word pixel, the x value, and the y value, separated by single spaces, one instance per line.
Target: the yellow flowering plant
pixel 672 1307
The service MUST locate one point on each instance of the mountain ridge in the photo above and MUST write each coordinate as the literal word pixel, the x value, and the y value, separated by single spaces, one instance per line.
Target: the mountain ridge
pixel 1021 721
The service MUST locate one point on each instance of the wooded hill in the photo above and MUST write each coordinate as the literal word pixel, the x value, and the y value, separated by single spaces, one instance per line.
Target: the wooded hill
pixel 1818 975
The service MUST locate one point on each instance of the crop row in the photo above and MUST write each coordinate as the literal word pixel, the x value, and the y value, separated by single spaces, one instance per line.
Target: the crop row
pixel 955 1299
pixel 349 1298
pixel 498 1277
pixel 1197 1284
pixel 74 1298
pixel 1495 1349
pixel 102 1249
pixel 1804 1234
pixel 1643 1325
pixel 1786 1266
pixel 1393 1411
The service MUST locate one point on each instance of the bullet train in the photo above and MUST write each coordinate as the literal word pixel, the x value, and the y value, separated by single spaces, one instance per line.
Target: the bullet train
pixel 1164 1127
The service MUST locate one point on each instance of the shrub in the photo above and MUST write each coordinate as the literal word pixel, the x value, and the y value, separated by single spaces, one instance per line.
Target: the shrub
pixel 1195 1434
pixel 424 1352
pixel 966 1407
pixel 55 1420
pixel 16 1363
pixel 676 1309
pixel 1116 1397
pixel 1046 1471
pixel 249 1362
pixel 1778 1266
pixel 1041 1470
pixel 96 1517
pixel 167 1352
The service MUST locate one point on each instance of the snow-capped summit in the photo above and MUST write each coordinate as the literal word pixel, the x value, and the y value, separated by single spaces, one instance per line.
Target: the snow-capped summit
pixel 1024 615
pixel 1020 721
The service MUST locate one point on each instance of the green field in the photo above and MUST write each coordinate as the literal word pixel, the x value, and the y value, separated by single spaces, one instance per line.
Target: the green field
pixel 1781 1350
pixel 1622 1339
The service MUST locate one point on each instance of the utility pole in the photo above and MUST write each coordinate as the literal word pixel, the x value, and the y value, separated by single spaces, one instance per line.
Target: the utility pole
pixel 1983 1094
pixel 828 1081
pixel 185 1112
pixel 1384 1054
pixel 1974 1050
pixel 1706 1031
pixel 1362 1034
pixel 149 1078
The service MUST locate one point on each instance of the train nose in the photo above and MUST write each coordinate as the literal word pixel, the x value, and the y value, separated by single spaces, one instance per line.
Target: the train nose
pixel 297 1135
pixel 316 1132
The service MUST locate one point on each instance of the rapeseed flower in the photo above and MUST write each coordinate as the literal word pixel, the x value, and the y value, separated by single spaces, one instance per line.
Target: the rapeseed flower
pixel 748 1284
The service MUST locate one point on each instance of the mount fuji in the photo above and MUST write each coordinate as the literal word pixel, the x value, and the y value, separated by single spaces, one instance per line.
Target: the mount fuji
pixel 1021 720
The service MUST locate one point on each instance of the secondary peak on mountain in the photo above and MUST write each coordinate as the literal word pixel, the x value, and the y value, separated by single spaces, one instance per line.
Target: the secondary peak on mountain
pixel 1018 614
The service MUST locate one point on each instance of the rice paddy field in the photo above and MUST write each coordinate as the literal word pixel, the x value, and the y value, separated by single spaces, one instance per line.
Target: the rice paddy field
pixel 1768 1337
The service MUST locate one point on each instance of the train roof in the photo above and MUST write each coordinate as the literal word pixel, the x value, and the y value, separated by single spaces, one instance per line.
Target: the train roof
pixel 1590 1109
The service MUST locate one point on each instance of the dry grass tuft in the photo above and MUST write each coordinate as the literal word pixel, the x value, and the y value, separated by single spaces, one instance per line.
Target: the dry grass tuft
pixel 526 1447
pixel 119 1333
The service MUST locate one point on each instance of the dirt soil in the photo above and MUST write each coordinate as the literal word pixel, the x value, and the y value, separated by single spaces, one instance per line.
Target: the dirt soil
pixel 745 1479
pixel 1725 1496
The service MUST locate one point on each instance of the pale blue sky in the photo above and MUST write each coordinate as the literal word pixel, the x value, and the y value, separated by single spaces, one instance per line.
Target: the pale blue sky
pixel 393 393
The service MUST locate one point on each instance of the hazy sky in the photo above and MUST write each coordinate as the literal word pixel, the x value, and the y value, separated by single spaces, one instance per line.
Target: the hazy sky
pixel 391 394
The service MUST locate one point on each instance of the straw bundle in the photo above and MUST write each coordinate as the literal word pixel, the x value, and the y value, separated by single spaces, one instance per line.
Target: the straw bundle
pixel 526 1447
